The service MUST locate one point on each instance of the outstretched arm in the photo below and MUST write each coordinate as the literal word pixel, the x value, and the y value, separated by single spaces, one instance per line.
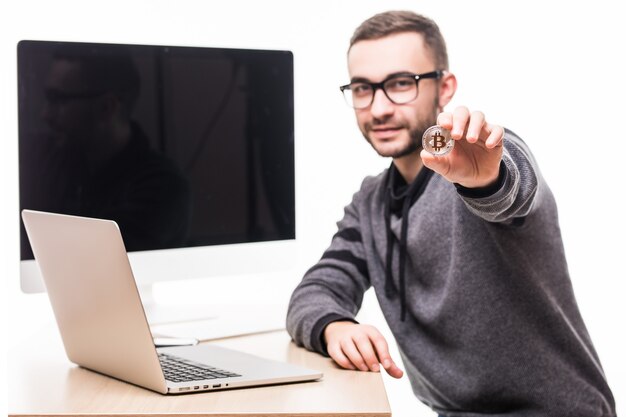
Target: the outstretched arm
pixel 493 169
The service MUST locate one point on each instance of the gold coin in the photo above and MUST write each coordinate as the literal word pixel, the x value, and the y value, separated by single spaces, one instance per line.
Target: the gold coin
pixel 437 140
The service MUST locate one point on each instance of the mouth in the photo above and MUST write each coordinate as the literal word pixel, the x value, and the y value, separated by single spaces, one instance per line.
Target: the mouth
pixel 385 132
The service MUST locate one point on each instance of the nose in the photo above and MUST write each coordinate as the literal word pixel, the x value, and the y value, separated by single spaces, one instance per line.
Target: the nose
pixel 381 105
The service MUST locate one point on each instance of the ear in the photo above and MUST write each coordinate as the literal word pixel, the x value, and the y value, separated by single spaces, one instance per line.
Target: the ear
pixel 447 88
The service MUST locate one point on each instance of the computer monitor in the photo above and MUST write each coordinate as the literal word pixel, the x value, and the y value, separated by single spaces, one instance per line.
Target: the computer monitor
pixel 189 149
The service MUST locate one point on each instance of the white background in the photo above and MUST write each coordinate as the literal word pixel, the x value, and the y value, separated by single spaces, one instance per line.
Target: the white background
pixel 551 71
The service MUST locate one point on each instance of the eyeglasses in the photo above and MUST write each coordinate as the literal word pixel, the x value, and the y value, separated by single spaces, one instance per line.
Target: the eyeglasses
pixel 399 89
pixel 58 97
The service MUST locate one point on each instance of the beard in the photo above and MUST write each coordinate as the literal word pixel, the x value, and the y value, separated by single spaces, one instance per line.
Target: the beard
pixel 414 144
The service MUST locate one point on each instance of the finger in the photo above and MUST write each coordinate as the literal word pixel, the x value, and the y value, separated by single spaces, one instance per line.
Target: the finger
pixel 382 351
pixel 334 351
pixel 364 345
pixel 460 119
pixel 476 123
pixel 445 120
pixel 350 350
pixel 496 136
pixel 394 371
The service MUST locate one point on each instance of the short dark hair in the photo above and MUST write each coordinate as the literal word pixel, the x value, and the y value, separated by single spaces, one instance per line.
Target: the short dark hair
pixel 391 22
pixel 106 68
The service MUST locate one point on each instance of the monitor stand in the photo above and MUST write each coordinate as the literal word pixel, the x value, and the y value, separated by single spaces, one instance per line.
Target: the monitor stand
pixel 160 313
pixel 203 322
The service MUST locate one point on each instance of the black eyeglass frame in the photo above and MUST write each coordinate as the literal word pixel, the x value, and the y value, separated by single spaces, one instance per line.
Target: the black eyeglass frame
pixel 437 74
pixel 56 96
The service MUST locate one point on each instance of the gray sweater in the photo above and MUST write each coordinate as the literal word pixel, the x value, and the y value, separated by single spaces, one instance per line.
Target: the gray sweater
pixel 476 291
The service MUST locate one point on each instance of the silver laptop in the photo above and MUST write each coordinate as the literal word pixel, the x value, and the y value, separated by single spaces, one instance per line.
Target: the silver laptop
pixel 97 307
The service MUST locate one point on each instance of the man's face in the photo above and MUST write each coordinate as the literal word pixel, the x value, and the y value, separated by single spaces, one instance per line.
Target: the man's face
pixel 71 111
pixel 394 130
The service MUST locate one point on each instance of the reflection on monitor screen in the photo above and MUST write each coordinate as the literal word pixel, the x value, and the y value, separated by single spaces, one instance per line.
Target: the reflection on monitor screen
pixel 190 150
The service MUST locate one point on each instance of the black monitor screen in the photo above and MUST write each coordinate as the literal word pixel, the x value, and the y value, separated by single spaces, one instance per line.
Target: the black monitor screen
pixel 181 146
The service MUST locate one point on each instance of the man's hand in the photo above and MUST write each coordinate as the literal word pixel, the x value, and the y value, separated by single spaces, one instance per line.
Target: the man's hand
pixel 475 160
pixel 359 346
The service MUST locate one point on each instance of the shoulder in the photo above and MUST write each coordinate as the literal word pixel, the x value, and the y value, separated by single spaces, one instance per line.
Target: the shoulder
pixel 369 194
pixel 372 181
pixel 372 185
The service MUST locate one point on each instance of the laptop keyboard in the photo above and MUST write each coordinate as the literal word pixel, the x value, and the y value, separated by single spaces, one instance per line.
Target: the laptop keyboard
pixel 182 370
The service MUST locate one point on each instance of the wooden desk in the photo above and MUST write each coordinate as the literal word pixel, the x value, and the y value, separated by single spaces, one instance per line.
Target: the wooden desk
pixel 43 382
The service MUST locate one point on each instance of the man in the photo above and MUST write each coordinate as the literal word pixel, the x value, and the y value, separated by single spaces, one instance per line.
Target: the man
pixel 463 250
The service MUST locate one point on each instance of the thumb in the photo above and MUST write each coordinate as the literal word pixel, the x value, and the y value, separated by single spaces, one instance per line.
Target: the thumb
pixel 439 164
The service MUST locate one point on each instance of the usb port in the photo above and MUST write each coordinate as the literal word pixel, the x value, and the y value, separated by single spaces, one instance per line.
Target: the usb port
pixel 196 387
pixel 205 387
pixel 217 385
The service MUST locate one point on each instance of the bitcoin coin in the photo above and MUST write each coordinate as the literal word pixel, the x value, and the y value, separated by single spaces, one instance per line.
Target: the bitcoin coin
pixel 437 140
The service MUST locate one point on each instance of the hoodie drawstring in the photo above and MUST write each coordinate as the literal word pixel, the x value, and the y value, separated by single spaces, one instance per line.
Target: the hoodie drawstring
pixel 389 257
pixel 402 256
pixel 408 197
